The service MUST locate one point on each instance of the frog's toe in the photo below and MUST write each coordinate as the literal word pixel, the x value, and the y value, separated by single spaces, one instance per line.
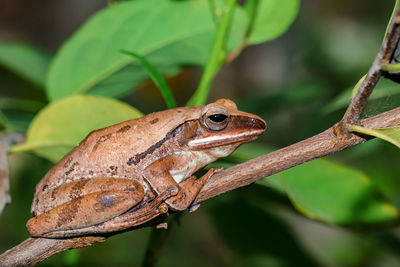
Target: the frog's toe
pixel 194 207
pixel 171 191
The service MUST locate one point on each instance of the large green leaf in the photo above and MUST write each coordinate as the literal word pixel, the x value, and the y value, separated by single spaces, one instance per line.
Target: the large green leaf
pixel 273 17
pixel 336 193
pixel 63 124
pixel 25 60
pixel 167 33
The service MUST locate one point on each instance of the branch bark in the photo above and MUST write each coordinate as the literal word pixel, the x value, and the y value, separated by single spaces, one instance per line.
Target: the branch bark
pixel 34 250
pixel 334 139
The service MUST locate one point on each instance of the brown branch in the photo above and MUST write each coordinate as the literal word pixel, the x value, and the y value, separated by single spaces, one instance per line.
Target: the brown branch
pixel 34 250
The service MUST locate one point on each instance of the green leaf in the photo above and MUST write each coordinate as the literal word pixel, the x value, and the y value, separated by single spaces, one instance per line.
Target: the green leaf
pixel 384 89
pixel 157 78
pixel 25 60
pixel 167 33
pixel 357 86
pixel 63 124
pixel 391 134
pixel 335 193
pixel 391 67
pixel 273 18
pixel 122 82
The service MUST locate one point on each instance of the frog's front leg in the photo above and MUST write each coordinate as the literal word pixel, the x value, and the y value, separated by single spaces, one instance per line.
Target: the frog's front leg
pixel 159 176
pixel 189 190
pixel 85 203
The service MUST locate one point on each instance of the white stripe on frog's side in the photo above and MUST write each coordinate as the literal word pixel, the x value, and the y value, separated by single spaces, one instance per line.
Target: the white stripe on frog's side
pixel 216 138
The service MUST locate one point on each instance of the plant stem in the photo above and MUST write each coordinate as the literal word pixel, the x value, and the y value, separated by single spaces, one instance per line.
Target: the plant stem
pixel 251 8
pixel 216 57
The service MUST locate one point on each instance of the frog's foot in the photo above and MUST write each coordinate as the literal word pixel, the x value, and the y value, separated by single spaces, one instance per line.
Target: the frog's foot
pixel 124 221
pixel 189 190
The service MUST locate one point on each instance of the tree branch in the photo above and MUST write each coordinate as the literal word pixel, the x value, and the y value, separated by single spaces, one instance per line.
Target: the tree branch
pixel 34 250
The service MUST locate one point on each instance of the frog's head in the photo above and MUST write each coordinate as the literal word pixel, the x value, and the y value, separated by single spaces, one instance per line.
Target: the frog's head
pixel 221 125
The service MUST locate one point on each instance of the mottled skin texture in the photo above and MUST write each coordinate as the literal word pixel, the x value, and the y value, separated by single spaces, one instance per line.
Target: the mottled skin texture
pixel 131 172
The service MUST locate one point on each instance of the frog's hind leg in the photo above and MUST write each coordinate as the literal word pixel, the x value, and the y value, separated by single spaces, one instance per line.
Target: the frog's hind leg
pixel 129 219
pixel 99 200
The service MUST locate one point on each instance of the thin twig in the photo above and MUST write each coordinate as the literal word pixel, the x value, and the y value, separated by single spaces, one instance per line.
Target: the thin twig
pixel 384 56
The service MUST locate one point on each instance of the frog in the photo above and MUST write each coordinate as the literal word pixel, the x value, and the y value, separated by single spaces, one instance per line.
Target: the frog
pixel 127 174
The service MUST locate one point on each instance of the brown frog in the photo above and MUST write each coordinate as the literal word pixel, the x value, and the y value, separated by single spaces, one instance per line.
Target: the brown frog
pixel 128 173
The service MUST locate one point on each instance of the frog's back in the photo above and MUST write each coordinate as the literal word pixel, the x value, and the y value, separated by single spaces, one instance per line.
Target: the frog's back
pixel 111 151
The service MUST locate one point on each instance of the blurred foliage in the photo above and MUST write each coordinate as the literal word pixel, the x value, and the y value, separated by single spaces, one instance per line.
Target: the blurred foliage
pixel 183 37
pixel 27 61
pixel 340 211
pixel 61 125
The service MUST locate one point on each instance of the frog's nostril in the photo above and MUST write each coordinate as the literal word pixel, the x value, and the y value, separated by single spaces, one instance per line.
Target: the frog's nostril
pixel 257 123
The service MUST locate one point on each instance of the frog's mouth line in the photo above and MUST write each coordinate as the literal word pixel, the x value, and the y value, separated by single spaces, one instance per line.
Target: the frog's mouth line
pixel 221 140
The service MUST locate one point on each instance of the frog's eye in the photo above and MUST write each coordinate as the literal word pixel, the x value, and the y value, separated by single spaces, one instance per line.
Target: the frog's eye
pixel 218 117
pixel 216 120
